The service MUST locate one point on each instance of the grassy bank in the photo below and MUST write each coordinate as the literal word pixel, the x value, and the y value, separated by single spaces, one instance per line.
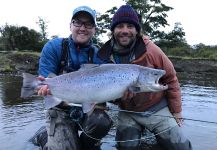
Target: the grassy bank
pixel 17 62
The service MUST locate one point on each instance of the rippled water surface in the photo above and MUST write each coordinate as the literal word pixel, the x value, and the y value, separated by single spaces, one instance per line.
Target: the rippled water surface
pixel 20 119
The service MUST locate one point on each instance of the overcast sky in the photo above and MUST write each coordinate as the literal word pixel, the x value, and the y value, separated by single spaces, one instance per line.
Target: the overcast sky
pixel 198 17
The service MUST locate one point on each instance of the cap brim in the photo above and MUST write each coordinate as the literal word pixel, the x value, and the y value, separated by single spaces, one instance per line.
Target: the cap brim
pixel 86 12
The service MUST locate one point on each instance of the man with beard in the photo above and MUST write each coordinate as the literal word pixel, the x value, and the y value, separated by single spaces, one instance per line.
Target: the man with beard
pixel 128 45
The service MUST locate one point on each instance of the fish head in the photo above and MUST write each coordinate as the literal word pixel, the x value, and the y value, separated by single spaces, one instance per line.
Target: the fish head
pixel 148 80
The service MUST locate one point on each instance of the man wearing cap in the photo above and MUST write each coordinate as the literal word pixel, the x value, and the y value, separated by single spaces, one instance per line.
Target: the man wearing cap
pixel 62 131
pixel 128 45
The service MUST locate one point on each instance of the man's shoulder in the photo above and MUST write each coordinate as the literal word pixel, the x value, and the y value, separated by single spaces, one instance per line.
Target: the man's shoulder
pixel 95 47
pixel 54 43
pixel 56 40
pixel 53 46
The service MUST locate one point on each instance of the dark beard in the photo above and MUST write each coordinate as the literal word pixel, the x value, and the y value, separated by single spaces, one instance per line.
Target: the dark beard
pixel 122 50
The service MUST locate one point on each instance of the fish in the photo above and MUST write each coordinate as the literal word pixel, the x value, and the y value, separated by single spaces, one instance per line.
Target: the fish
pixel 93 84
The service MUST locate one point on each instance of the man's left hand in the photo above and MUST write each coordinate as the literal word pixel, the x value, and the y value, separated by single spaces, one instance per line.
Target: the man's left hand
pixel 178 118
pixel 128 95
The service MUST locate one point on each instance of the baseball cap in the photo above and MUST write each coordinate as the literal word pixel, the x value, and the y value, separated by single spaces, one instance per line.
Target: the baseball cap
pixel 87 9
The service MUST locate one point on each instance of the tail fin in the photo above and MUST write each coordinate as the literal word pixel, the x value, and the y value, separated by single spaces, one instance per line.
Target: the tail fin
pixel 29 85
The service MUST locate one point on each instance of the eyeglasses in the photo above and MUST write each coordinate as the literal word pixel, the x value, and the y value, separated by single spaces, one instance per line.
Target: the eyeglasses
pixel 79 23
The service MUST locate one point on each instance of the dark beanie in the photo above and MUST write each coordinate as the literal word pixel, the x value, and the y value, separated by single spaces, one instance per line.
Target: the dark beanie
pixel 125 14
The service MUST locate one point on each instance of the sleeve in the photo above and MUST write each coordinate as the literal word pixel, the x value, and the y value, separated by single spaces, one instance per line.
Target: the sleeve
pixel 161 61
pixel 49 59
pixel 173 93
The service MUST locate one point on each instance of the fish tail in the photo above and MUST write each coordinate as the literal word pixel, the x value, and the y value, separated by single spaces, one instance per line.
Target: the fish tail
pixel 29 85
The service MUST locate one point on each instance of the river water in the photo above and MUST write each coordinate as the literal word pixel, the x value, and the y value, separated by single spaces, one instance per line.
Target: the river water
pixel 20 119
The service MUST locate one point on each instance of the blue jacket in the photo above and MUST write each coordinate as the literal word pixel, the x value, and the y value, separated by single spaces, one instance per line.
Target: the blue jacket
pixel 50 58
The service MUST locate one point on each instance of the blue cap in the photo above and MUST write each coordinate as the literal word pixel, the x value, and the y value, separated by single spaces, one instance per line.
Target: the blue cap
pixel 85 9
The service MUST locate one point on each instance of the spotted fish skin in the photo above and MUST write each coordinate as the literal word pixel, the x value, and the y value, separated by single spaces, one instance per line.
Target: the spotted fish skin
pixel 98 84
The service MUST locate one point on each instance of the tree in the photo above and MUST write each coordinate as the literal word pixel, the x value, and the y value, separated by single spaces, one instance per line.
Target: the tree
pixel 174 38
pixel 103 24
pixel 152 15
pixel 7 37
pixel 43 26
pixel 20 38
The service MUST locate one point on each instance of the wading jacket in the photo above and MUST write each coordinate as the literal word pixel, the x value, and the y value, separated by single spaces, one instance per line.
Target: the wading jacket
pixel 149 55
pixel 51 54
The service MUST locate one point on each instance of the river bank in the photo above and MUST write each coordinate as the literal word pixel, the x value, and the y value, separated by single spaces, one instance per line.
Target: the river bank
pixel 18 62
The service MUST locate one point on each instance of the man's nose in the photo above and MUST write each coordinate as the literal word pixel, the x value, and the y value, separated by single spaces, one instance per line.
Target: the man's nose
pixel 125 28
pixel 83 26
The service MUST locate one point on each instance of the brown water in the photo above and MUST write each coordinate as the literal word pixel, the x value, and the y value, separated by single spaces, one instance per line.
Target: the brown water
pixel 20 119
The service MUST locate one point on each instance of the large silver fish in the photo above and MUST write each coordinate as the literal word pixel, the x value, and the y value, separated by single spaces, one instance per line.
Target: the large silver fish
pixel 96 84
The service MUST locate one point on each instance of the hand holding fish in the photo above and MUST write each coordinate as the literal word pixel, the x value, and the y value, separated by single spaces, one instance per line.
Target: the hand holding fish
pixel 178 118
pixel 43 90
pixel 128 95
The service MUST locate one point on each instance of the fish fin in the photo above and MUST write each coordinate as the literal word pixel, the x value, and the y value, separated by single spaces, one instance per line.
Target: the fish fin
pixel 74 104
pixel 51 75
pixel 29 85
pixel 88 66
pixel 51 101
pixel 134 89
pixel 88 107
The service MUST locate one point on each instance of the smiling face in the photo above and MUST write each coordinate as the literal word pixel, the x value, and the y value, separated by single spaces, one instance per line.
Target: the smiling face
pixel 82 34
pixel 125 34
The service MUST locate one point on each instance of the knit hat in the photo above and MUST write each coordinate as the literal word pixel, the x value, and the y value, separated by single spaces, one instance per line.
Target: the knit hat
pixel 125 14
pixel 86 9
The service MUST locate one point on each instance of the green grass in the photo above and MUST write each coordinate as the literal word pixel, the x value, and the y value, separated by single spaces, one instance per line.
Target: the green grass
pixel 27 52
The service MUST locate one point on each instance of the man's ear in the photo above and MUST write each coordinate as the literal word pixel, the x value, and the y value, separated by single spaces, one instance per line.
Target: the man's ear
pixel 95 29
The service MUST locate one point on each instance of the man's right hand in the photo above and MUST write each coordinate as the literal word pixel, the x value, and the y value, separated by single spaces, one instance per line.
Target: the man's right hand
pixel 128 95
pixel 43 90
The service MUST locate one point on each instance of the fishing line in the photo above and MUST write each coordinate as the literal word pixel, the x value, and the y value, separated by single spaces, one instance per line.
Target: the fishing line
pixel 142 138
pixel 114 141
pixel 151 113
pixel 144 113
pixel 203 126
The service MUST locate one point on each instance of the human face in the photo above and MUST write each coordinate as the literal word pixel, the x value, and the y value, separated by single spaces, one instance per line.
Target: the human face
pixel 84 33
pixel 125 34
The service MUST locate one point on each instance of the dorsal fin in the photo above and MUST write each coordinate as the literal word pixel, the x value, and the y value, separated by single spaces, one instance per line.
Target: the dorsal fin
pixel 88 66
pixel 51 75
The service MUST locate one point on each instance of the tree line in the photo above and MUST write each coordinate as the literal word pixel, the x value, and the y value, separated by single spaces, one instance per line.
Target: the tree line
pixel 22 38
pixel 152 15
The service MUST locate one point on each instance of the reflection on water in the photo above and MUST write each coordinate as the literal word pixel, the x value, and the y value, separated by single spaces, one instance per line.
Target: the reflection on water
pixel 20 119
pixel 199 94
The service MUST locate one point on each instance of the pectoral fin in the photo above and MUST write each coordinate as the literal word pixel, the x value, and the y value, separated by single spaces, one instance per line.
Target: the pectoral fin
pixel 51 101
pixel 52 75
pixel 88 108
pixel 135 89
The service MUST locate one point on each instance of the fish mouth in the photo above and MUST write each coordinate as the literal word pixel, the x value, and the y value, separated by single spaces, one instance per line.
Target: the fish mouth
pixel 161 86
